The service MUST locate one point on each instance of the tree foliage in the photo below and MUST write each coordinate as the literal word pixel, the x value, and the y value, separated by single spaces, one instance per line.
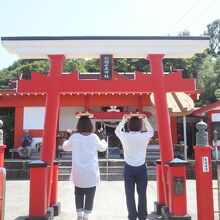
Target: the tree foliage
pixel 217 94
pixel 217 71
pixel 206 81
pixel 7 116
pixel 184 33
pixel 71 65
pixel 213 31
pixel 24 68
pixel 92 65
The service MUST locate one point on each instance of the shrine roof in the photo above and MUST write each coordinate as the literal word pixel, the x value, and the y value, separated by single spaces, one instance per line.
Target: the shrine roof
pixel 179 103
pixel 212 107
pixel 94 46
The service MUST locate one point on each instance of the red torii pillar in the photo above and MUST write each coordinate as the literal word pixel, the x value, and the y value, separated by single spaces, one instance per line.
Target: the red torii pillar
pixel 40 191
pixel 162 115
pixel 165 140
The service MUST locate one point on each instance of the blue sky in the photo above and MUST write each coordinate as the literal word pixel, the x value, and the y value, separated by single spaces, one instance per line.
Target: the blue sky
pixel 103 17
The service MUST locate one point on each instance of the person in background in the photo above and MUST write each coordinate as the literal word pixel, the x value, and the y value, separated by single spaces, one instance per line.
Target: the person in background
pixel 68 134
pixel 25 149
pixel 135 143
pixel 85 173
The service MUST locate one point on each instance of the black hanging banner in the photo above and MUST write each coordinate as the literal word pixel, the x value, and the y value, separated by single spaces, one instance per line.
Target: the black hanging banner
pixel 106 62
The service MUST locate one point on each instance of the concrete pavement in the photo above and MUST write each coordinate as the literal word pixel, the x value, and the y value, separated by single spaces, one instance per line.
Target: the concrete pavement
pixel 109 200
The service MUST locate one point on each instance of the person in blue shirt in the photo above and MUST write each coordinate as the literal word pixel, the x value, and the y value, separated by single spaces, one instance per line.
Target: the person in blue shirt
pixel 25 149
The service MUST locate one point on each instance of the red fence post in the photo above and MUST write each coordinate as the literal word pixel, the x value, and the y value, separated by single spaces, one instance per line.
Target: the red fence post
pixel 203 170
pixel 176 177
pixel 38 191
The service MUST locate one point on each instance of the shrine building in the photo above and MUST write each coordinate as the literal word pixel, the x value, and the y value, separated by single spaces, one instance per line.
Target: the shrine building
pixel 212 113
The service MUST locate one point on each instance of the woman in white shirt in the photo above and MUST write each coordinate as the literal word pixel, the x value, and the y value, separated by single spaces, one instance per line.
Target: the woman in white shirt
pixel 85 173
pixel 135 144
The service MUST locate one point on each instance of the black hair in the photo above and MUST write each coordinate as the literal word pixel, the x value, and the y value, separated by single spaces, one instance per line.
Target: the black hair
pixel 84 125
pixel 134 124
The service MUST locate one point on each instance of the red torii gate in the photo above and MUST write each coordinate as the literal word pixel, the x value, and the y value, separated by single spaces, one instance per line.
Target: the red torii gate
pixel 46 192
pixel 55 83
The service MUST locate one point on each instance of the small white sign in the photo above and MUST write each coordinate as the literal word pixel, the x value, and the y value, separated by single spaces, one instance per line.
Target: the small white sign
pixel 205 164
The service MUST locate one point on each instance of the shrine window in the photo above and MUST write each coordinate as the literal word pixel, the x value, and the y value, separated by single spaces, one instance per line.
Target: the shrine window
pixel 216 126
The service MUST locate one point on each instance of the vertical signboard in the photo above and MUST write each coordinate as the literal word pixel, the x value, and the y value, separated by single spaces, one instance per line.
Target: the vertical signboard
pixel 205 164
pixel 106 63
pixel 179 185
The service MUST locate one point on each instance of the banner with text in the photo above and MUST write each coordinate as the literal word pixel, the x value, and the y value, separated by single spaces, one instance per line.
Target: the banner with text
pixel 106 63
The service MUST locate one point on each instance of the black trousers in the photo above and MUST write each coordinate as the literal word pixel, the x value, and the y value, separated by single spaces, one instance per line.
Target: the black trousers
pixel 136 176
pixel 84 198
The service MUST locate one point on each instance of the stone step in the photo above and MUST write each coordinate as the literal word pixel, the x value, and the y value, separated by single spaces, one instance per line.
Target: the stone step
pixel 153 153
pixel 152 159
pixel 111 177
pixel 16 169
pixel 16 164
pixel 64 169
pixel 114 173
pixel 153 150
pixel 64 177
pixel 111 169
pixel 156 156
pixel 111 162
pixel 17 174
pixel 102 162
pixel 103 176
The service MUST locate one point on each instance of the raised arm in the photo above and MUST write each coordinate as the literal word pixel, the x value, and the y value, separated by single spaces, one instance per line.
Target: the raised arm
pixel 118 130
pixel 101 144
pixel 150 130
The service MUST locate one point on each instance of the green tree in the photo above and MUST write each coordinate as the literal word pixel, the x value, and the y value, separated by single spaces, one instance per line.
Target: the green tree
pixel 92 65
pixel 23 67
pixel 71 65
pixel 7 116
pixel 217 94
pixel 121 65
pixel 217 71
pixel 193 64
pixel 213 31
pixel 131 65
pixel 184 33
pixel 206 82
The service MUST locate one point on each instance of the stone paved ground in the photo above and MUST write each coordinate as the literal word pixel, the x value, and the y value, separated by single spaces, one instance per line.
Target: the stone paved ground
pixel 109 201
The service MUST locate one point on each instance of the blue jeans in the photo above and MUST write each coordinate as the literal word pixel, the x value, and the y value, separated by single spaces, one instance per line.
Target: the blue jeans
pixel 84 198
pixel 136 176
